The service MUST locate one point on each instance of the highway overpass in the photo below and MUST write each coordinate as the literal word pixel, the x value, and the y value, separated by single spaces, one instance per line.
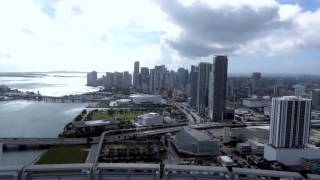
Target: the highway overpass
pixel 118 171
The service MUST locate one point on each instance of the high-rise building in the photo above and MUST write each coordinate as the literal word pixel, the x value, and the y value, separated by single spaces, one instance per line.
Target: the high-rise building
pixel 204 70
pixel 144 79
pixel 315 94
pixel 218 88
pixel 151 81
pixel 299 90
pixel 255 82
pixel 193 83
pixel 117 79
pixel 290 122
pixel 182 78
pixel 136 75
pixel 158 79
pixel 127 79
pixel 92 78
pixel 289 131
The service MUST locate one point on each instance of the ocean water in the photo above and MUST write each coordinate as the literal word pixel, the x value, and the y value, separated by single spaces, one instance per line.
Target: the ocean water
pixel 50 84
pixel 22 118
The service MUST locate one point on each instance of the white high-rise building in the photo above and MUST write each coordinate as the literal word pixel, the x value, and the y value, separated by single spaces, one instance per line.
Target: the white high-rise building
pixel 289 131
pixel 290 122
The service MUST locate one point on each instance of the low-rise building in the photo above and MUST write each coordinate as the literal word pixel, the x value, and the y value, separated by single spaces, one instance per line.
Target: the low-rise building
pixel 225 161
pixel 256 102
pixel 146 99
pixel 290 156
pixel 196 143
pixel 311 165
pixel 150 119
pixel 250 148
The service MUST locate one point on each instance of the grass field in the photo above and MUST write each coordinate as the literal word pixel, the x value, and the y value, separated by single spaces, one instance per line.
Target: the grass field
pixel 116 115
pixel 64 155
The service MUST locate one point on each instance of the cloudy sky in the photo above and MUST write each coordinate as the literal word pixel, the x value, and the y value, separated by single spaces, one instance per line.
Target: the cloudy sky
pixel 104 35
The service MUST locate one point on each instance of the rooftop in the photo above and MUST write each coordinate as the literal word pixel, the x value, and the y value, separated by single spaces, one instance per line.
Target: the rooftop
pixel 270 173
pixel 198 135
pixel 293 98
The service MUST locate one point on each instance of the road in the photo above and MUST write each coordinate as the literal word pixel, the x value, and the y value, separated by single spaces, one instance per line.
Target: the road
pixel 45 141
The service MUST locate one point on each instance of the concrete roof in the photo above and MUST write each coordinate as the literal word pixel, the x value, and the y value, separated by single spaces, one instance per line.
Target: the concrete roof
pixel 128 165
pixel 313 176
pixel 58 167
pixel 198 135
pixel 196 168
pixel 269 173
pixel 10 168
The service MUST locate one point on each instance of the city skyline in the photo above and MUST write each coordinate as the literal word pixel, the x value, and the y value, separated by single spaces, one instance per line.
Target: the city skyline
pixel 74 36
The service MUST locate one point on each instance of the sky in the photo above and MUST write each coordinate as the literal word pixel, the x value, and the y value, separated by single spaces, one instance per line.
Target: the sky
pixel 269 36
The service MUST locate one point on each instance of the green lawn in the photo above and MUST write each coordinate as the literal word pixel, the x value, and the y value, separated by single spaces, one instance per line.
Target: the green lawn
pixel 116 115
pixel 64 155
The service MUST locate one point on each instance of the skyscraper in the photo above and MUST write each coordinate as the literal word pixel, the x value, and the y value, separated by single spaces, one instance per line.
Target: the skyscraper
pixel 127 79
pixel 144 79
pixel 255 82
pixel 204 70
pixel 136 75
pixel 193 83
pixel 92 78
pixel 218 88
pixel 289 131
pixel 182 78
pixel 290 122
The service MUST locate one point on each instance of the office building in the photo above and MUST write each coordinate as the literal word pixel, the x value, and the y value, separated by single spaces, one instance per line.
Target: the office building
pixel 289 131
pixel 218 88
pixel 193 84
pixel 255 82
pixel 315 99
pixel 136 75
pixel 144 79
pixel 182 78
pixel 92 78
pixel 299 90
pixel 127 80
pixel 204 70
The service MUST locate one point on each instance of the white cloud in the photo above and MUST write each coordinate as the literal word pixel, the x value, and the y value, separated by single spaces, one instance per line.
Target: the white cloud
pixel 80 35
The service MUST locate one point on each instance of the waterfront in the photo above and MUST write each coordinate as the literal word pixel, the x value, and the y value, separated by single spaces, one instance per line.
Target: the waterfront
pixel 33 119
pixel 49 84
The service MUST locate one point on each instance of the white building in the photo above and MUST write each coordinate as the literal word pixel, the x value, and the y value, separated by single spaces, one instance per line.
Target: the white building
pixel 289 131
pixel 290 122
pixel 225 161
pixel 146 99
pixel 149 119
pixel 290 156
